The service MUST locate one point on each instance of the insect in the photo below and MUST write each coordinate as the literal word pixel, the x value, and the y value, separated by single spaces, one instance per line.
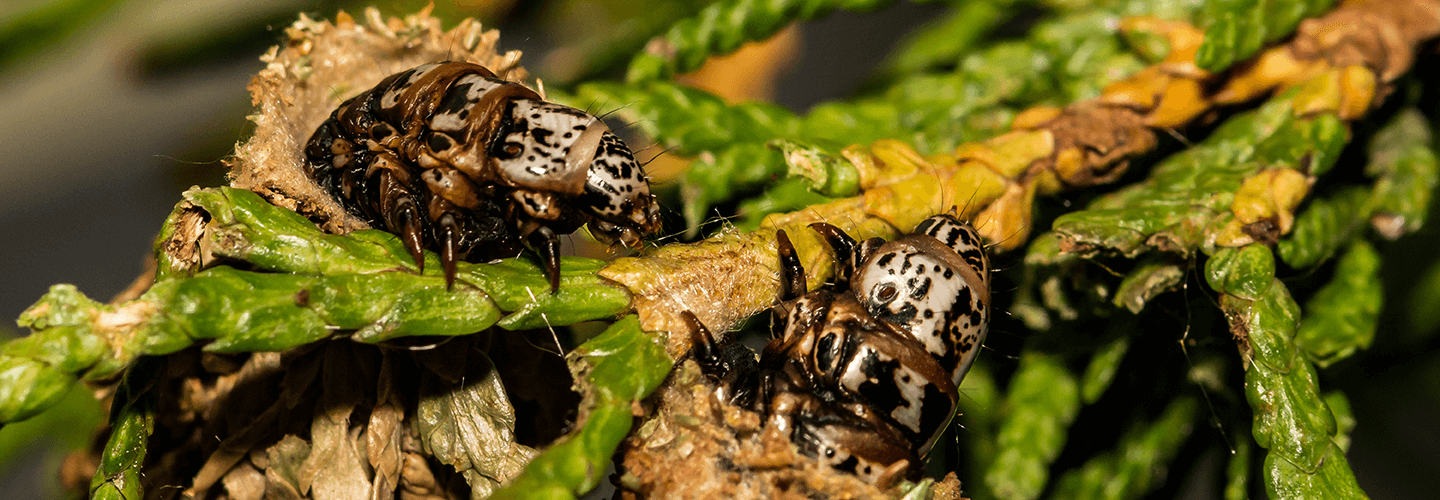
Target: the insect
pixel 451 158
pixel 863 372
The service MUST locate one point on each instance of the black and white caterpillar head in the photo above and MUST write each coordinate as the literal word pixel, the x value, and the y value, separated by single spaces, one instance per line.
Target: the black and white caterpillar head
pixel 617 194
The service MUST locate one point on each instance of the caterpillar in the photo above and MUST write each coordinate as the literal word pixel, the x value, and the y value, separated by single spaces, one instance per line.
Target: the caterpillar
pixel 863 372
pixel 453 159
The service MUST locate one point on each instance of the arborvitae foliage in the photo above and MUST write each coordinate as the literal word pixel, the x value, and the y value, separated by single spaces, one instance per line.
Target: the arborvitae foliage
pixel 1216 165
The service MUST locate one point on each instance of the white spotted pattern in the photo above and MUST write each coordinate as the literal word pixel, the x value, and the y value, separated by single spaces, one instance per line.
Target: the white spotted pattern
pixel 543 133
pixel 392 97
pixel 476 86
pixel 940 300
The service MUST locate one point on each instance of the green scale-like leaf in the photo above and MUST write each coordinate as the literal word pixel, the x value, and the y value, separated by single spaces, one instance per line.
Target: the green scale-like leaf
pixel 722 27
pixel 368 280
pixel 1404 163
pixel 1188 196
pixel 1074 57
pixel 615 369
pixel 787 195
pixel 1104 365
pixel 943 40
pixel 1062 60
pixel 1291 419
pixel 1134 467
pixel 118 476
pixel 1341 318
pixel 68 425
pixel 1043 400
pixel 1152 277
pixel 1238 29
pixel 689 120
pixel 1324 226
pixel 1333 479
pixel 320 284
pixel 1237 472
pixel 1405 170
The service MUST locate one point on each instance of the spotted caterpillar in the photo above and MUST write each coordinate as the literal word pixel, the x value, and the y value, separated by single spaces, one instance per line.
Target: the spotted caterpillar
pixel 862 373
pixel 451 158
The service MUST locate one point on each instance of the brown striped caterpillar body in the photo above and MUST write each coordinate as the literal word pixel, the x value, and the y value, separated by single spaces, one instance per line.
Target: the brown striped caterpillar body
pixel 451 158
pixel 863 373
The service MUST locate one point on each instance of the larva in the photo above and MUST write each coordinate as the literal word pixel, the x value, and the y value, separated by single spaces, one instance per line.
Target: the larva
pixel 863 373
pixel 451 158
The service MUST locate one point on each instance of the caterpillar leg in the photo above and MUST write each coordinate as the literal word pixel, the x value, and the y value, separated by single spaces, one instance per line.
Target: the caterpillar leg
pixel 732 367
pixel 703 347
pixel 543 241
pixel 844 248
pixel 406 222
pixel 449 235
pixel 792 273
pixel 410 232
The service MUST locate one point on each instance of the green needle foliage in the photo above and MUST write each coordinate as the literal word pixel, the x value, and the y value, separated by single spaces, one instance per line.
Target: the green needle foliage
pixel 1130 471
pixel 1343 314
pixel 1188 196
pixel 1328 223
pixel 622 366
pixel 118 477
pixel 971 95
pixel 1083 298
pixel 1043 400
pixel 307 285
pixel 1238 29
pixel 723 26
pixel 1291 418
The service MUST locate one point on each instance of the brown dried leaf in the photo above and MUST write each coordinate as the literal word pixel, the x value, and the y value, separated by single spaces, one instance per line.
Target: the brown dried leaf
pixel 417 482
pixel 302 366
pixel 335 468
pixel 383 433
pixel 947 489
pixel 722 280
pixel 235 448
pixel 1379 35
pixel 1107 135
pixel 206 400
pixel 244 482
pixel 470 426
pixel 282 475
pixel 182 251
